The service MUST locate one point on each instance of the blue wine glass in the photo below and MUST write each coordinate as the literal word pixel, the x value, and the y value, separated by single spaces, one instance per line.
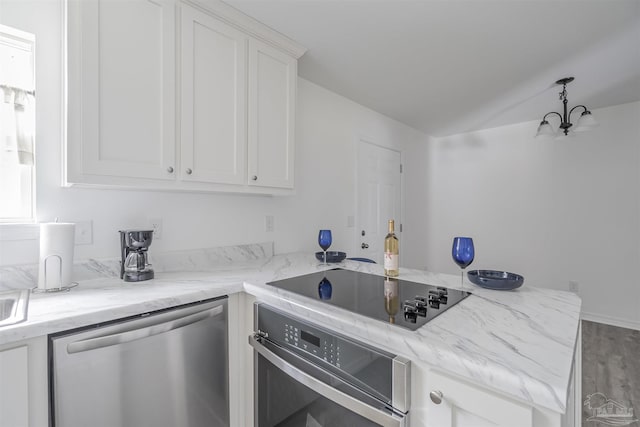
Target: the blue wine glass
pixel 324 289
pixel 462 253
pixel 324 240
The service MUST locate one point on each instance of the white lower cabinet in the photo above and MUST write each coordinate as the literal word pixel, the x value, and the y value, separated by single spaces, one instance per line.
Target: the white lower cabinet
pixel 24 384
pixel 454 403
pixel 444 401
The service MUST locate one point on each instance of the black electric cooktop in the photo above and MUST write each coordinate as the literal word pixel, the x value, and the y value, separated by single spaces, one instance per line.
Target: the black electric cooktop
pixel 406 304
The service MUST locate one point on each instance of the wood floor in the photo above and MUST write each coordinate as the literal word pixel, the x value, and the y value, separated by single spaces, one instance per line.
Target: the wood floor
pixel 611 366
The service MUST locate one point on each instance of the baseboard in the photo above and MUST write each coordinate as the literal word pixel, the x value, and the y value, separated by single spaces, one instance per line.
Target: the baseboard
pixel 608 320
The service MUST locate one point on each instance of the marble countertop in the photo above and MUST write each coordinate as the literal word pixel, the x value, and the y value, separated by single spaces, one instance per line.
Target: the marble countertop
pixel 520 343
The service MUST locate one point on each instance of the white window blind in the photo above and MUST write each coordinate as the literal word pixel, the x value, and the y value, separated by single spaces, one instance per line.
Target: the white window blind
pixel 17 125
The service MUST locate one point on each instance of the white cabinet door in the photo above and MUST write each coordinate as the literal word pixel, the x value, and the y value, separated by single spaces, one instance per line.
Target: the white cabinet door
pixel 23 384
pixel 465 405
pixel 213 124
pixel 121 89
pixel 14 387
pixel 272 97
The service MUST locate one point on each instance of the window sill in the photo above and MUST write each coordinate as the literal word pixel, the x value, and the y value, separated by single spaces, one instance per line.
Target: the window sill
pixel 9 232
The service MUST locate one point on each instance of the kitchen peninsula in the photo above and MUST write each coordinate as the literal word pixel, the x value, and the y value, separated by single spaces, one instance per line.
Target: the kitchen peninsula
pixel 513 351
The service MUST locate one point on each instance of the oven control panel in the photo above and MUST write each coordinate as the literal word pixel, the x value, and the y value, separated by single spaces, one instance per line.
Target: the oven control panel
pixel 315 342
pixel 302 337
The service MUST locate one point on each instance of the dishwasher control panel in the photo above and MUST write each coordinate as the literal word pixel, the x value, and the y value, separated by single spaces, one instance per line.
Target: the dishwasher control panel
pixel 325 347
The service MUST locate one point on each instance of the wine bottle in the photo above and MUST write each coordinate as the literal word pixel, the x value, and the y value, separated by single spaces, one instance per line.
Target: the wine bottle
pixel 391 303
pixel 391 252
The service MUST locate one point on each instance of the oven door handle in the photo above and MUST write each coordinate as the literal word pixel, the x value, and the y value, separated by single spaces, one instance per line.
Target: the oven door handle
pixel 382 418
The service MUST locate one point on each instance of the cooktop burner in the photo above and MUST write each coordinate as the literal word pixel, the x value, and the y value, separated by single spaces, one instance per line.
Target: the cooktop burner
pixel 400 302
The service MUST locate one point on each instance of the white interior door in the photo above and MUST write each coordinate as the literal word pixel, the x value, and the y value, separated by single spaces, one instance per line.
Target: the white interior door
pixel 379 198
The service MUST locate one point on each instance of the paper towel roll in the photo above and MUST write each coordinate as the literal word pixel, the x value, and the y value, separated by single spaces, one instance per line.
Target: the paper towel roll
pixel 56 254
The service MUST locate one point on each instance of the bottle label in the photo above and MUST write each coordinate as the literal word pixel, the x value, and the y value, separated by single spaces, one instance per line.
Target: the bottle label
pixel 390 261
pixel 390 288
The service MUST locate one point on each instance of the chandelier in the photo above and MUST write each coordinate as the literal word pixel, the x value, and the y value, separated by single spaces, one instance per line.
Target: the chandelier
pixel 585 122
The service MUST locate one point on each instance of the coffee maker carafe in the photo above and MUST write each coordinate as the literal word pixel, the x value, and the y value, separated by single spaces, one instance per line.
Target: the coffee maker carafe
pixel 134 264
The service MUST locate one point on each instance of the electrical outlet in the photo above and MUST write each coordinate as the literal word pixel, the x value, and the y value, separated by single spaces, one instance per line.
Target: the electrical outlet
pixel 574 287
pixel 268 223
pixel 351 221
pixel 156 226
pixel 84 232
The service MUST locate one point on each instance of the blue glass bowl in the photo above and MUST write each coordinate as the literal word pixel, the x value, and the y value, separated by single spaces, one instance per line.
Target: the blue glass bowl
pixel 332 256
pixel 497 280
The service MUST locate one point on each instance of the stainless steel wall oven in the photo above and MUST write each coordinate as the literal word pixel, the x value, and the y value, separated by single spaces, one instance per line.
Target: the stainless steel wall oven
pixel 310 376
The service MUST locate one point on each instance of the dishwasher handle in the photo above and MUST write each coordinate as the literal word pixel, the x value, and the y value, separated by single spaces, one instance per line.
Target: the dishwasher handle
pixel 138 334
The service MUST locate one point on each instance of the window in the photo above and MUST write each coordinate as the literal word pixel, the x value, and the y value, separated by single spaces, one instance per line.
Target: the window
pixel 17 125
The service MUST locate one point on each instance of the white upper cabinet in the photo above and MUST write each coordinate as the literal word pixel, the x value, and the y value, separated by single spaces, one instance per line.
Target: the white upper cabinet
pixel 233 100
pixel 121 89
pixel 272 98
pixel 214 81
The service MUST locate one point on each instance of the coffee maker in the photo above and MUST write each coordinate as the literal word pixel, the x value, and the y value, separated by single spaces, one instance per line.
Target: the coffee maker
pixel 134 264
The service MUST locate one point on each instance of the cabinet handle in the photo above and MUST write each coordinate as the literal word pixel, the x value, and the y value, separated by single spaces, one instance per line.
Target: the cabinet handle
pixel 188 171
pixel 170 169
pixel 436 396
pixel 254 178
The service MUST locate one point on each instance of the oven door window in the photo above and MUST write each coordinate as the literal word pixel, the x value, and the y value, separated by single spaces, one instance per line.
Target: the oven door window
pixel 284 402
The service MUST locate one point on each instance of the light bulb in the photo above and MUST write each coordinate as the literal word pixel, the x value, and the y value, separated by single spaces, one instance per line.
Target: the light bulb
pixel 545 130
pixel 585 122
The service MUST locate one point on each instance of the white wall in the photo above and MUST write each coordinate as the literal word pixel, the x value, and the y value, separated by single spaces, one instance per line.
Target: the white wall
pixel 554 211
pixel 327 129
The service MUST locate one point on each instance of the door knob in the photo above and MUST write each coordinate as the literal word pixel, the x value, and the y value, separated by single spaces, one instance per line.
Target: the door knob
pixel 364 246
pixel 254 178
pixel 436 396
pixel 189 171
pixel 170 169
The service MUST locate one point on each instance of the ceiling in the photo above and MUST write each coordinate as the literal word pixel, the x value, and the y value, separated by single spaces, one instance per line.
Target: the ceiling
pixel 451 66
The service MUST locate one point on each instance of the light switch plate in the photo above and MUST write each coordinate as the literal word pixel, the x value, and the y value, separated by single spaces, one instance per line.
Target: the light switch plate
pixel 268 223
pixel 84 232
pixel 156 226
pixel 574 286
pixel 351 221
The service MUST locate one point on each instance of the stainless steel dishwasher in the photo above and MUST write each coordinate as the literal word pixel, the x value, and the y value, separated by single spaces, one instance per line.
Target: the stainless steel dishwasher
pixel 166 368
